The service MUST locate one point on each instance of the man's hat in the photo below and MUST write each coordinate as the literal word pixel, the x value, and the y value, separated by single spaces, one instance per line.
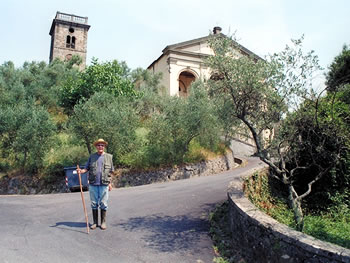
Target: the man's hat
pixel 100 141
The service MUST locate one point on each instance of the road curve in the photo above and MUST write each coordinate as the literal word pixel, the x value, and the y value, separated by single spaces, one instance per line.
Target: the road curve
pixel 162 222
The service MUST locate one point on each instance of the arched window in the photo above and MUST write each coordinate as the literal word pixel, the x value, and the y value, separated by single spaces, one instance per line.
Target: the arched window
pixel 185 80
pixel 68 41
pixel 73 42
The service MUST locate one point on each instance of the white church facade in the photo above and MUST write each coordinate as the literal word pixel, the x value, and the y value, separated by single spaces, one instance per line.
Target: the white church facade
pixel 183 63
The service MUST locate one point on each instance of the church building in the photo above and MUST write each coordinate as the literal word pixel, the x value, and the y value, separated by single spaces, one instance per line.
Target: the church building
pixel 183 63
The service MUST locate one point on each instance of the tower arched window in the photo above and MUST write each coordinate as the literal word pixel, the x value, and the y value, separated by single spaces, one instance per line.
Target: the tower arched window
pixel 73 42
pixel 68 41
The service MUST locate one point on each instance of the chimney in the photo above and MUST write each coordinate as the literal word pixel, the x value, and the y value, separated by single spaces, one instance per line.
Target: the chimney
pixel 217 30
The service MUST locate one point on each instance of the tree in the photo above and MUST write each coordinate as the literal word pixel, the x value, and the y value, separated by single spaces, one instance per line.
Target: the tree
pixel 261 93
pixel 339 71
pixel 112 77
pixel 149 91
pixel 108 117
pixel 177 122
pixel 25 134
pixel 27 95
pixel 35 80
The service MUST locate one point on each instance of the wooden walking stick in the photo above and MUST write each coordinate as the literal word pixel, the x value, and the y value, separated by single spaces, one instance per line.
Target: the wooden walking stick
pixel 82 198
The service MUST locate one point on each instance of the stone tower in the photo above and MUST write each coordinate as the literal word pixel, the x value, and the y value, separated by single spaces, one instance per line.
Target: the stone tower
pixel 69 37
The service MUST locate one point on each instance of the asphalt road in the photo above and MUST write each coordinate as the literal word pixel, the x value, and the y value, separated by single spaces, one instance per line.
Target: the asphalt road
pixel 163 222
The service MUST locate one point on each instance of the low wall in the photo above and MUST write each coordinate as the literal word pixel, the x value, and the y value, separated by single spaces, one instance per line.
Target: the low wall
pixel 266 240
pixel 126 177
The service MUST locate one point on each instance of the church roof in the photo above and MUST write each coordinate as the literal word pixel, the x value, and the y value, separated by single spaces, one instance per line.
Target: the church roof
pixel 177 48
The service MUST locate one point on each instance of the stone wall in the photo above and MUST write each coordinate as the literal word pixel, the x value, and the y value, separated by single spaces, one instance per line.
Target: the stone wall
pixel 269 241
pixel 133 178
pixel 122 177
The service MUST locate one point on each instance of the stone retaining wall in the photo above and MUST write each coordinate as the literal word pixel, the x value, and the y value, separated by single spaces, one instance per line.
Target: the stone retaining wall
pixel 124 177
pixel 266 240
pixel 133 178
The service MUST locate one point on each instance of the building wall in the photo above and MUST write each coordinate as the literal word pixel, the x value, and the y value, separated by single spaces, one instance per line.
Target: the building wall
pixel 173 62
pixel 59 32
pixel 162 67
pixel 61 51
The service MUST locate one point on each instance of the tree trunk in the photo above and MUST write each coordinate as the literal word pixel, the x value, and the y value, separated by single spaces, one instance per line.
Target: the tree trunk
pixel 295 204
pixel 88 145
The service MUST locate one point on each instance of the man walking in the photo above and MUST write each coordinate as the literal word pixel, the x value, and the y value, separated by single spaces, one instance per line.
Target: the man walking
pixel 100 167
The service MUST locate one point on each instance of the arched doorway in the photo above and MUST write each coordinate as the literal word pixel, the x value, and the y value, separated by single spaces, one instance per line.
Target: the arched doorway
pixel 185 80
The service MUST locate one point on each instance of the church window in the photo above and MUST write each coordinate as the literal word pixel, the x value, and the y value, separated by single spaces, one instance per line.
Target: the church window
pixel 68 41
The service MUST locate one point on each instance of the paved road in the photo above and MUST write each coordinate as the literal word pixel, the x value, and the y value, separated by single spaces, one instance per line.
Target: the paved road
pixel 163 222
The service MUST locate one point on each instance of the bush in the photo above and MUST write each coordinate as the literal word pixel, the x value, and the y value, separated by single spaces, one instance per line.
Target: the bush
pixel 25 134
pixel 65 151
pixel 177 122
pixel 108 117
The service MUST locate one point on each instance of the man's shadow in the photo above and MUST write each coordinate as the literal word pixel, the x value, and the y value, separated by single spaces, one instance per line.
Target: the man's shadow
pixel 71 226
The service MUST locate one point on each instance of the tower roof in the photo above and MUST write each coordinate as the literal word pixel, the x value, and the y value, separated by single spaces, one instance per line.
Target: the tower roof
pixel 69 19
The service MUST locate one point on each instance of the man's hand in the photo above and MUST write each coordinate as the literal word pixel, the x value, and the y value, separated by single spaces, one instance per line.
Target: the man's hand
pixel 81 171
pixel 109 187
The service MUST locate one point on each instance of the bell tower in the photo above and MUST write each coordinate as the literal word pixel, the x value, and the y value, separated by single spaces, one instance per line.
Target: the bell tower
pixel 69 37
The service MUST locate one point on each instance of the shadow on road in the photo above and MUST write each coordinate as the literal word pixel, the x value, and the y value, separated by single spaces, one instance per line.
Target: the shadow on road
pixel 168 234
pixel 71 225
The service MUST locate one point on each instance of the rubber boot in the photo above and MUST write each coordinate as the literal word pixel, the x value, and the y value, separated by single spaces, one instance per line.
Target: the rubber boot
pixel 95 218
pixel 103 219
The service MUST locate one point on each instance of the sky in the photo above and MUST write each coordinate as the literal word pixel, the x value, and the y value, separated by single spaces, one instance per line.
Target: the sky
pixel 137 31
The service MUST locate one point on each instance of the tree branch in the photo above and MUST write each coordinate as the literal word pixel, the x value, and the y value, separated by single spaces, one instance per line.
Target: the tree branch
pixel 318 177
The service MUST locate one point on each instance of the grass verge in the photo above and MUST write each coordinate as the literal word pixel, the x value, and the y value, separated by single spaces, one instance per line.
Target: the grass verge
pixel 332 225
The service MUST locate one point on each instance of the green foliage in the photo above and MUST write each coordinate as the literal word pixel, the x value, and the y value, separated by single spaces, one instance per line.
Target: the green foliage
pixel 66 150
pixel 27 97
pixel 25 134
pixel 108 117
pixel 339 71
pixel 177 122
pixel 150 92
pixel 110 77
pixel 246 88
pixel 35 80
pixel 135 158
pixel 269 196
pixel 260 94
pixel 197 152
pixel 105 106
pixel 332 225
pixel 146 81
pixel 319 138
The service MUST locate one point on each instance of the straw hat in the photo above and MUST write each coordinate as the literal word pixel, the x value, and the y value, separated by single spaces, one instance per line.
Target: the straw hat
pixel 100 141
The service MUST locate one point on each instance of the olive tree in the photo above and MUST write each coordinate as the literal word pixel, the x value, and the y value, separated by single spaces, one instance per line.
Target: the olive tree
pixel 339 71
pixel 261 93
pixel 108 117
pixel 25 134
pixel 112 77
pixel 177 121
